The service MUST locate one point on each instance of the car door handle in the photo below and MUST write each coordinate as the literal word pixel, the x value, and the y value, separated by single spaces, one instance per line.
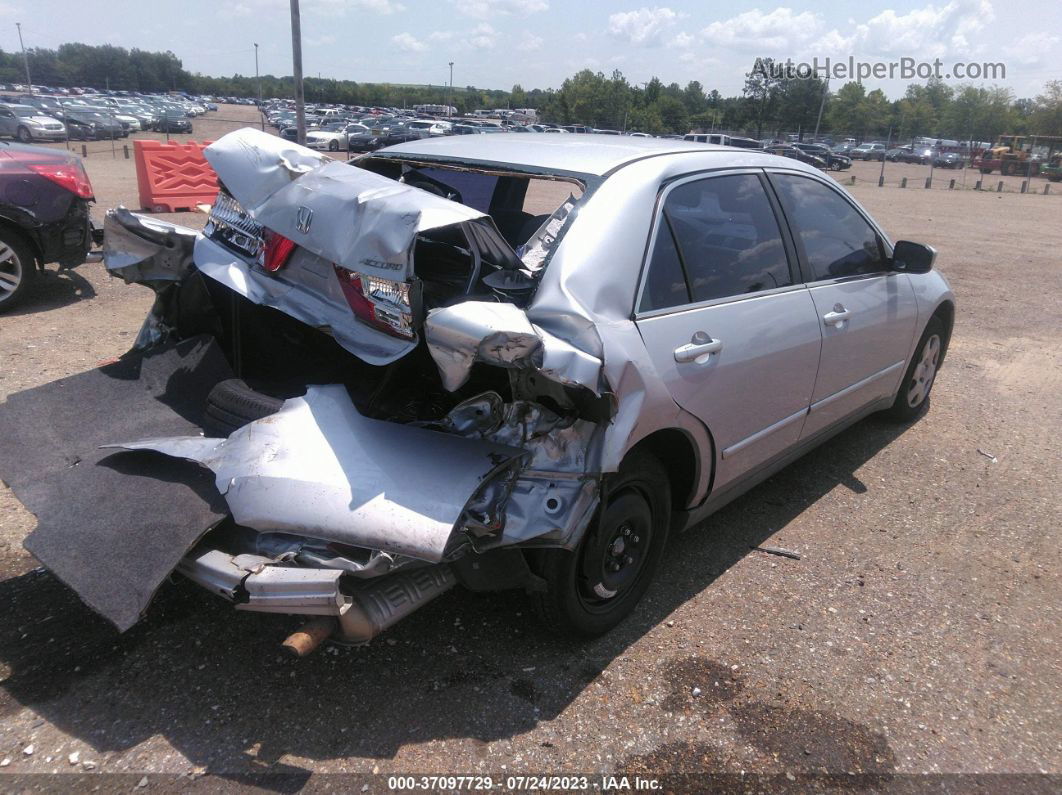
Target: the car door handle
pixel 837 316
pixel 699 350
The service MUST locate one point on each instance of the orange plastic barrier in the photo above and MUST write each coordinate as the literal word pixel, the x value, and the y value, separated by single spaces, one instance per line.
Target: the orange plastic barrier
pixel 173 176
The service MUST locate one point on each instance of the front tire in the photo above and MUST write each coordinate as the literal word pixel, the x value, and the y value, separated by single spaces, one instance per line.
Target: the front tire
pixel 912 400
pixel 17 269
pixel 333 146
pixel 592 589
pixel 24 135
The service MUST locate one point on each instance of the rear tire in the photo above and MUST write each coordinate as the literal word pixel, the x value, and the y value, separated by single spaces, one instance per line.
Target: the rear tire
pixel 24 135
pixel 912 399
pixel 232 404
pixel 592 589
pixel 18 269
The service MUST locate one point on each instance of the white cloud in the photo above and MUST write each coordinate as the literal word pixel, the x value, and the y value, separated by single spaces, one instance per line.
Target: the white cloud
pixel 1031 48
pixel 531 43
pixel 777 30
pixel 644 27
pixel 408 42
pixel 339 7
pixel 927 32
pixel 485 9
pixel 683 40
pixel 483 37
pixel 384 7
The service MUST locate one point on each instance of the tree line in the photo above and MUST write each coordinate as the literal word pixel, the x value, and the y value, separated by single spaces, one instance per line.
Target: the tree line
pixel 769 104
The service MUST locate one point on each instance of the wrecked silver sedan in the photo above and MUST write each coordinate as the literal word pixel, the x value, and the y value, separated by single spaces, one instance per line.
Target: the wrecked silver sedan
pixel 502 362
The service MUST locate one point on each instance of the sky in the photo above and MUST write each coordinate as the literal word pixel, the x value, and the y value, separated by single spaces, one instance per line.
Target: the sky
pixel 537 43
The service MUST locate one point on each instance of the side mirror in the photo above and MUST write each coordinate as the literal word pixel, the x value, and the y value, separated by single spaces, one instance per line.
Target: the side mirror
pixel 909 257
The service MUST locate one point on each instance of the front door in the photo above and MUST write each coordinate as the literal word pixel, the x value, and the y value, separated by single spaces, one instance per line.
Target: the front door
pixel 730 329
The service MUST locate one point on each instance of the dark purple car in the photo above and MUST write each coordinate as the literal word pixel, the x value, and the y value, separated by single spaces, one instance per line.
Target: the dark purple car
pixel 44 215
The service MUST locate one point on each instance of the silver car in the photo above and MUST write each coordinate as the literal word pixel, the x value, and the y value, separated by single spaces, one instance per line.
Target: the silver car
pixel 504 362
pixel 29 124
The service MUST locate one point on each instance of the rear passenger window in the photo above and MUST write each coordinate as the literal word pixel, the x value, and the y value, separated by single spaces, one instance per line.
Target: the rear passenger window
pixel 725 239
pixel 837 241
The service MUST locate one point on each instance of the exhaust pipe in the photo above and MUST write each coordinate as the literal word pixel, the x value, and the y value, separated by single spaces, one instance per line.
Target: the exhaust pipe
pixel 304 641
pixel 382 602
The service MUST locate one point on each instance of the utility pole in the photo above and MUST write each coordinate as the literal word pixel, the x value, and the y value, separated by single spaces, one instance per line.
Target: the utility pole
pixel 25 60
pixel 450 93
pixel 257 79
pixel 822 104
pixel 296 70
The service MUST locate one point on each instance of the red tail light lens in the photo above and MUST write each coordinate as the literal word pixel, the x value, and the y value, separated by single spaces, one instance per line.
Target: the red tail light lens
pixel 382 304
pixel 277 251
pixel 71 176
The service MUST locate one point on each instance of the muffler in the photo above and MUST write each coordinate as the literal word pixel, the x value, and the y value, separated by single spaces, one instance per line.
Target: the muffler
pixel 381 602
pixel 362 608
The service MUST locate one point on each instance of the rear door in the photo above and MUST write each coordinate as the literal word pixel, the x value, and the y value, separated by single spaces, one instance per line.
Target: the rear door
pixel 730 328
pixel 867 313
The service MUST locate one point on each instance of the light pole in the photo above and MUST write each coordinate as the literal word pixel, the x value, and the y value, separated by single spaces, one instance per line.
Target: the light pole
pixel 296 69
pixel 25 60
pixel 450 94
pixel 257 79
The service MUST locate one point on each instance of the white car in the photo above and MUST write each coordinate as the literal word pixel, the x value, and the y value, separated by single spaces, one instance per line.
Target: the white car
pixel 426 128
pixel 334 137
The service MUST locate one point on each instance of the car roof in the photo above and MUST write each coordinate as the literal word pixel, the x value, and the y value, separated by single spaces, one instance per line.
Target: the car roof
pixel 18 106
pixel 582 153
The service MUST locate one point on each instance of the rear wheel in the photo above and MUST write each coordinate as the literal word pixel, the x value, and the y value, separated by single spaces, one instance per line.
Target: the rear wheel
pixel 17 269
pixel 333 146
pixel 24 135
pixel 590 590
pixel 913 398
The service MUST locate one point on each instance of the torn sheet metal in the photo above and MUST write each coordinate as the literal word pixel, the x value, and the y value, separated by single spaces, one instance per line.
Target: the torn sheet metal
pixel 321 469
pixel 144 250
pixel 501 335
pixel 554 494
pixel 157 254
pixel 534 253
pixel 347 215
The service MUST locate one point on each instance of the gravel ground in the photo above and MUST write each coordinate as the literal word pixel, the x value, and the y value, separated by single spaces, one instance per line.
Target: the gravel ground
pixel 918 633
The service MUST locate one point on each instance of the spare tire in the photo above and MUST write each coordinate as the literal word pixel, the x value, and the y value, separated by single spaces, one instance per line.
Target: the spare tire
pixel 232 404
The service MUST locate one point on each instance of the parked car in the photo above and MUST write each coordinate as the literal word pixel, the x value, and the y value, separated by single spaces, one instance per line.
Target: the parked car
pixel 722 140
pixel 922 155
pixel 420 405
pixel 834 161
pixel 333 137
pixel 871 151
pixel 91 125
pixel 30 124
pixel 897 154
pixel 788 150
pixel 173 122
pixel 948 160
pixel 44 215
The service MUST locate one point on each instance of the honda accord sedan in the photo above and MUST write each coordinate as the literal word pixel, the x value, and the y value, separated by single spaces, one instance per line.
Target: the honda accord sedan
pixel 499 362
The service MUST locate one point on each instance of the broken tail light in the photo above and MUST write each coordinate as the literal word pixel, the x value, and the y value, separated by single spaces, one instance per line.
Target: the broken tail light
pixel 380 303
pixel 277 251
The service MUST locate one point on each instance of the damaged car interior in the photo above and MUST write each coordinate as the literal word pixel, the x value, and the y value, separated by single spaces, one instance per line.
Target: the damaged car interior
pixel 363 384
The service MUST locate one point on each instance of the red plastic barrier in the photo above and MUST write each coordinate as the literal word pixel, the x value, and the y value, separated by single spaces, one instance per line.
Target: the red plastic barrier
pixel 173 176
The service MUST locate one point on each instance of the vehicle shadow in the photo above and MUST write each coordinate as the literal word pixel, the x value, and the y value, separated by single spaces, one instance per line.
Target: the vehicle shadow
pixel 53 289
pixel 212 681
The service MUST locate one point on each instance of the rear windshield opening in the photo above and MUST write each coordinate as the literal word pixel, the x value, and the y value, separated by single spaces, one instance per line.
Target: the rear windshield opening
pixel 519 204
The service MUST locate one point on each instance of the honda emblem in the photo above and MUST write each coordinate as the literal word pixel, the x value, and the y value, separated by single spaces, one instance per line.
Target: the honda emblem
pixel 303 219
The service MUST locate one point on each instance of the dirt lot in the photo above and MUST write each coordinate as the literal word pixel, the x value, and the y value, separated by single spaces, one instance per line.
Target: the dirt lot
pixel 918 633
